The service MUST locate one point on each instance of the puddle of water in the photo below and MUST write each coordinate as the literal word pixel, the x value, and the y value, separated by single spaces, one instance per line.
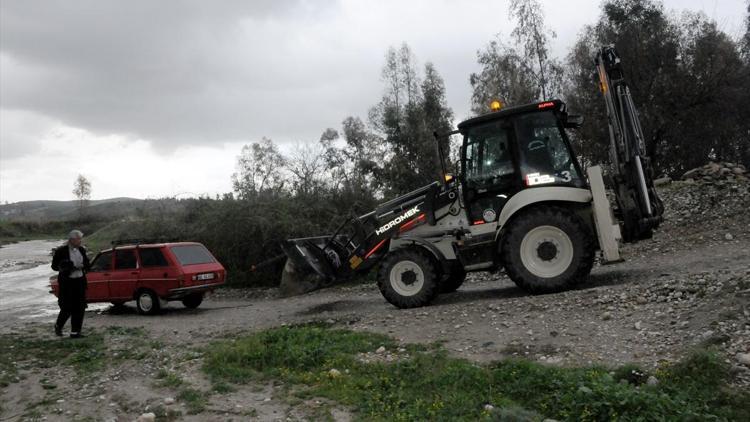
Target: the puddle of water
pixel 24 280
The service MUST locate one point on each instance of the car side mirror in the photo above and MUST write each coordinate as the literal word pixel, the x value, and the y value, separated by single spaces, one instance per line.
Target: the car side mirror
pixel 574 121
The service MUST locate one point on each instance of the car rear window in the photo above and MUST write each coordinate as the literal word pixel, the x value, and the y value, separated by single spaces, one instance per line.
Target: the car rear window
pixel 192 254
pixel 152 257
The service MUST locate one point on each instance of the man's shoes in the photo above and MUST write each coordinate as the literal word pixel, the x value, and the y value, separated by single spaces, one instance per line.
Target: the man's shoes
pixel 58 330
pixel 76 335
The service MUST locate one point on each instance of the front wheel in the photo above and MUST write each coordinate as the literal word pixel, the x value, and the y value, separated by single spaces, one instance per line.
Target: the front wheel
pixel 454 279
pixel 408 278
pixel 147 302
pixel 193 301
pixel 547 250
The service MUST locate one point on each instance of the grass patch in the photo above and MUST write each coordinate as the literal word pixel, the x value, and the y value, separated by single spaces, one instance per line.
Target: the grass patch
pixel 222 387
pixel 168 379
pixel 433 385
pixel 166 414
pixel 86 356
pixel 195 400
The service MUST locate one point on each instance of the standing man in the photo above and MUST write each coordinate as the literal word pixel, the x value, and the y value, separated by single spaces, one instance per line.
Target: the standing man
pixel 71 263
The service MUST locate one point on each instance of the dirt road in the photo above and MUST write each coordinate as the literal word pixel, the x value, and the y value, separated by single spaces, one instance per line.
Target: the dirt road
pixel 650 308
pixel 689 285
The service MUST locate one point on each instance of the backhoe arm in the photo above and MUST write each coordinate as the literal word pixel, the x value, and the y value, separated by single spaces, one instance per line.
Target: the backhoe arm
pixel 639 208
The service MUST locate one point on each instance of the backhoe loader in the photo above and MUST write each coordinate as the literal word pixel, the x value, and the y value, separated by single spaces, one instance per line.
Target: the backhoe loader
pixel 520 201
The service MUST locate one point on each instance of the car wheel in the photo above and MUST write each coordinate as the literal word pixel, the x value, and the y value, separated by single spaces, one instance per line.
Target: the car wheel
pixel 147 302
pixel 193 301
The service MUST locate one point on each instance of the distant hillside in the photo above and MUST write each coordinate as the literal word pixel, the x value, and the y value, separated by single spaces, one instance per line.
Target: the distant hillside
pixel 68 210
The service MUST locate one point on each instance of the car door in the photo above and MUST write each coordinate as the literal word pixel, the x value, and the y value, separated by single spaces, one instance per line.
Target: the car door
pixel 490 173
pixel 97 278
pixel 156 272
pixel 124 276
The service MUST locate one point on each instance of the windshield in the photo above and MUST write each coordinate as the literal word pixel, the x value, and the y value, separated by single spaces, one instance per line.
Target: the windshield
pixel 192 254
pixel 488 155
pixel 545 157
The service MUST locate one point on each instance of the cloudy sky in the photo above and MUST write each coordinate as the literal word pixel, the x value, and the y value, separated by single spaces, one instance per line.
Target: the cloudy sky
pixel 156 98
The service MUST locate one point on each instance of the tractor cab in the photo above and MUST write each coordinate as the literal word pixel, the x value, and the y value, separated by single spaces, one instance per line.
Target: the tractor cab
pixel 513 149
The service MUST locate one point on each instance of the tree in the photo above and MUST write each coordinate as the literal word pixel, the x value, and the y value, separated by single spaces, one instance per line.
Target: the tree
pixel 746 38
pixel 259 170
pixel 530 35
pixel 501 78
pixel 438 117
pixel 684 76
pixel 307 165
pixel 520 73
pixel 82 192
pixel 405 119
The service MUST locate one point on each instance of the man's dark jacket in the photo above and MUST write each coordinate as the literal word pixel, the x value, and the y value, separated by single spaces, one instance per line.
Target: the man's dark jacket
pixel 64 266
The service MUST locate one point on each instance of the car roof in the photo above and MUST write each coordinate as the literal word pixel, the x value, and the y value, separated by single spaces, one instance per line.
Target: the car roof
pixel 151 245
pixel 505 112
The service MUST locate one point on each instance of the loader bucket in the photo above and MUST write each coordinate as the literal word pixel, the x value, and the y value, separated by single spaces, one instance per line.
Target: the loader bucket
pixel 306 269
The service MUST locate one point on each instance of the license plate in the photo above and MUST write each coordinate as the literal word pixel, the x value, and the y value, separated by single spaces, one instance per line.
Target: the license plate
pixel 209 276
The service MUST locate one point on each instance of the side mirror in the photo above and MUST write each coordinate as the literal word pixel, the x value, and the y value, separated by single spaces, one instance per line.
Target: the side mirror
pixel 574 121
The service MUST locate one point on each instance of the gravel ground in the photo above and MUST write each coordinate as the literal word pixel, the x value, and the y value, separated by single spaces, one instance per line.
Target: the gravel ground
pixel 688 286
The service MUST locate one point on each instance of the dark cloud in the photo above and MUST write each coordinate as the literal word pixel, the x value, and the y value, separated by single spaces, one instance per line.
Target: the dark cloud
pixel 204 72
pixel 170 72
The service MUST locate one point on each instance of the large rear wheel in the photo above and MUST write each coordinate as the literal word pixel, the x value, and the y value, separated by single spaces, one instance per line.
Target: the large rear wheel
pixel 408 278
pixel 548 249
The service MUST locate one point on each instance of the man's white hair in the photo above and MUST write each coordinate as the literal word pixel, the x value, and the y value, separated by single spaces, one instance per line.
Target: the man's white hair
pixel 75 234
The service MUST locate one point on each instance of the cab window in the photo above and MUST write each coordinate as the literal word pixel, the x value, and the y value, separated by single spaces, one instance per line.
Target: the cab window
pixel 103 262
pixel 125 259
pixel 545 156
pixel 489 159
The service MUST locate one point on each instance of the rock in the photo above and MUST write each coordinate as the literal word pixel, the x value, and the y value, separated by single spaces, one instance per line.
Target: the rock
pixel 662 181
pixel 168 401
pixel 380 350
pixel 334 373
pixel 638 325
pixel 488 407
pixel 652 380
pixel 606 316
pixel 738 369
pixel 690 174
pixel 146 417
pixel 744 358
pixel 728 236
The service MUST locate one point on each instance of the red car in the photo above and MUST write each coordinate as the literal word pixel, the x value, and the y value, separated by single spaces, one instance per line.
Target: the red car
pixel 152 274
